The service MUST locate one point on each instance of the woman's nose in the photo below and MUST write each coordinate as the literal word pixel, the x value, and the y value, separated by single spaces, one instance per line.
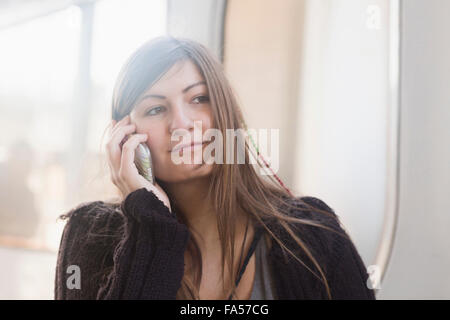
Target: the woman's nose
pixel 181 119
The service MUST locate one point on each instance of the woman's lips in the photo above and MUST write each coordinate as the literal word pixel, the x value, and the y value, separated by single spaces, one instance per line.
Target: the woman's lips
pixel 187 147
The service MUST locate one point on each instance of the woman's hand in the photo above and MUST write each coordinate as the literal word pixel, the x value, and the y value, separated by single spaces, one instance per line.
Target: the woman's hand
pixel 120 151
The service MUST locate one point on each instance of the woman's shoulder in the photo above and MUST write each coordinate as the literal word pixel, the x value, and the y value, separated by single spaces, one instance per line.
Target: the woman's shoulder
pixel 313 209
pixel 92 210
pixel 93 219
pixel 316 224
pixel 332 247
pixel 92 231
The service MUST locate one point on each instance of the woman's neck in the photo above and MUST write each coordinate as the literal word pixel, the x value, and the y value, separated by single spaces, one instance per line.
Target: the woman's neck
pixel 197 210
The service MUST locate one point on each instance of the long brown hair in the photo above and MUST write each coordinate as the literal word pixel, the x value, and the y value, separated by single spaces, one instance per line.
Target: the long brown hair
pixel 234 188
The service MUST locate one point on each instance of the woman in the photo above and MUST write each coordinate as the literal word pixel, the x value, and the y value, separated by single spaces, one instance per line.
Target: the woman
pixel 202 231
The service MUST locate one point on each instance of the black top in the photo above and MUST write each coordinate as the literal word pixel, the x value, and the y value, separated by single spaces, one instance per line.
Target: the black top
pixel 251 250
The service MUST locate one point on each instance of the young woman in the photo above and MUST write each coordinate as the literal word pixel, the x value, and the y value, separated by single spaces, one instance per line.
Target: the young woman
pixel 202 231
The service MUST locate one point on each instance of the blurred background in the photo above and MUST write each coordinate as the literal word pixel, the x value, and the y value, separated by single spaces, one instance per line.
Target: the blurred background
pixel 357 88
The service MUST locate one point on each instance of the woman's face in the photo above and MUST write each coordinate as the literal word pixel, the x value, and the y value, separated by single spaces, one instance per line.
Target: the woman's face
pixel 177 100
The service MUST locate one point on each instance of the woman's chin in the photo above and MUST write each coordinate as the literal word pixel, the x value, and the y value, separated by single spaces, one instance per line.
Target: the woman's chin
pixel 196 169
pixel 183 172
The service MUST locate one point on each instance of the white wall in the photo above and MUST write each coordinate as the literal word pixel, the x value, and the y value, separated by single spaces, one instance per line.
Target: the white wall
pixel 421 261
pixel 344 114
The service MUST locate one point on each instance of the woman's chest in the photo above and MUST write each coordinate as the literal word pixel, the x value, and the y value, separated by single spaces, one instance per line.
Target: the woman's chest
pixel 212 284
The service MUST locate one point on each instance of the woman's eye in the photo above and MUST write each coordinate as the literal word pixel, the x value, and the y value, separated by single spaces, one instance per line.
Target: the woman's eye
pixel 154 111
pixel 202 98
pixel 159 109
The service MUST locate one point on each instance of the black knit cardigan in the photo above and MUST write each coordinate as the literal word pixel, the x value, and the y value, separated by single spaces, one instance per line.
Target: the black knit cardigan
pixel 135 250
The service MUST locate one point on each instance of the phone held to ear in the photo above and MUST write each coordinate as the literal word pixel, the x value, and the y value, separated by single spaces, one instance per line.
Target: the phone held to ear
pixel 143 161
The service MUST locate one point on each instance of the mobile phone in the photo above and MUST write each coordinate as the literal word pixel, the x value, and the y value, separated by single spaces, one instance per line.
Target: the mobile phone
pixel 143 162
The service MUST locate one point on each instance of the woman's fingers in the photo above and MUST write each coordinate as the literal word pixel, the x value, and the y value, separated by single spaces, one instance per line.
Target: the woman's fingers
pixel 124 173
pixel 121 133
pixel 114 148
pixel 116 125
pixel 114 144
pixel 121 149
pixel 122 121
pixel 119 130
pixel 127 166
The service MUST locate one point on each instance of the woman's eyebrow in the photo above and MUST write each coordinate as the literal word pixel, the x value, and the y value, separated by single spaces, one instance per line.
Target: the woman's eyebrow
pixel 164 97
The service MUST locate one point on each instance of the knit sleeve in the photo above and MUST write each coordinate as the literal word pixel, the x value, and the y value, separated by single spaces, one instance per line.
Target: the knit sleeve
pixel 91 232
pixel 347 277
pixel 133 253
pixel 149 260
